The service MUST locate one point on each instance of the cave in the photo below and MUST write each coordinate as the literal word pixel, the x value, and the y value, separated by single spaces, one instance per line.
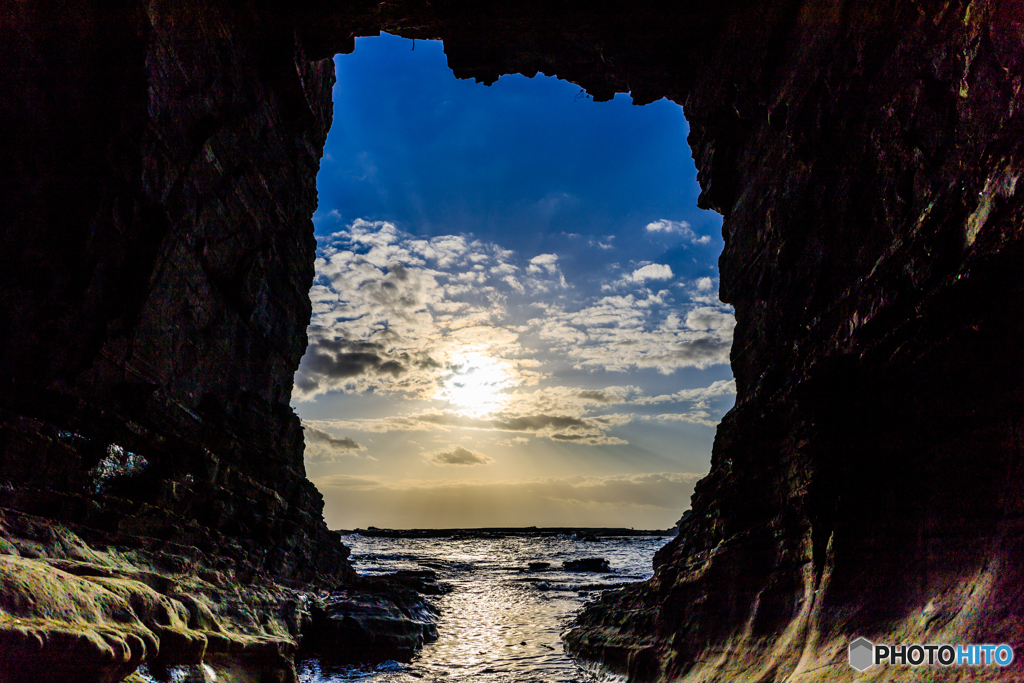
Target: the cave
pixel 157 252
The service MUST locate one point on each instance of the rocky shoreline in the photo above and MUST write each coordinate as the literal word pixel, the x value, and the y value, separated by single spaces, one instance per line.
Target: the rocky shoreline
pixel 71 611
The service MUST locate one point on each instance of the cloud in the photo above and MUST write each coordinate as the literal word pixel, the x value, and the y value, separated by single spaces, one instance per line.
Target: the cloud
pixel 670 227
pixel 571 424
pixel 604 242
pixel 641 275
pixel 620 333
pixel 542 263
pixel 700 394
pixel 324 447
pixel 651 501
pixel 706 318
pixel 512 282
pixel 444 320
pixel 654 271
pixel 314 435
pixel 698 416
pixel 666 227
pixel 340 359
pixel 600 395
pixel 459 456
pixel 564 414
pixel 392 313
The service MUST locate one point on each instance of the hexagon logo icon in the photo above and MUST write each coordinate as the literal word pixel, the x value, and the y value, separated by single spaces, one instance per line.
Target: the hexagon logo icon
pixel 862 654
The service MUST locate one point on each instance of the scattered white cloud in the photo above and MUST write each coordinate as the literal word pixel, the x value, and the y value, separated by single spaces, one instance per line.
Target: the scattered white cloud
pixel 698 395
pixel 621 333
pixel 666 227
pixel 707 318
pixel 561 413
pixel 670 227
pixel 512 282
pixel 604 242
pixel 443 321
pixel 548 262
pixel 654 271
pixel 696 416
pixel 396 314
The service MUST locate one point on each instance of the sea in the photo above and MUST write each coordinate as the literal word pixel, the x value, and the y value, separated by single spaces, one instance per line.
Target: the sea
pixel 499 621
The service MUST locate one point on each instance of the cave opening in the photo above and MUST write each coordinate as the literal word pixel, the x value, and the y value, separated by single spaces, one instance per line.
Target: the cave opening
pixel 515 311
pixel 157 258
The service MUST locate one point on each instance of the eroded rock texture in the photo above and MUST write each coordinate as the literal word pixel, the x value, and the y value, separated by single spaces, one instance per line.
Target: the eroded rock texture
pixel 158 181
pixel 868 481
pixel 156 253
pixel 154 272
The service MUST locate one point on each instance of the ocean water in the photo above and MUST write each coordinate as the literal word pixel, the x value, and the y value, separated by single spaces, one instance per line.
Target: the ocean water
pixel 498 623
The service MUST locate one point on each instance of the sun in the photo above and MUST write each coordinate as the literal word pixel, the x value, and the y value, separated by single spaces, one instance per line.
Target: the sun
pixel 476 382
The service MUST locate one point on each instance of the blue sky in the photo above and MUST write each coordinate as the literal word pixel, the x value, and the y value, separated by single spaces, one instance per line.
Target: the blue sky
pixel 515 314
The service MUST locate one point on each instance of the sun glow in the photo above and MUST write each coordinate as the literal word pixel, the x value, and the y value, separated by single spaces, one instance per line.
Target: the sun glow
pixel 476 383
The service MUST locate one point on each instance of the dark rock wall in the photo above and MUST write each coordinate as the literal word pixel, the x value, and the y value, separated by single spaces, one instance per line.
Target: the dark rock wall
pixel 868 481
pixel 156 257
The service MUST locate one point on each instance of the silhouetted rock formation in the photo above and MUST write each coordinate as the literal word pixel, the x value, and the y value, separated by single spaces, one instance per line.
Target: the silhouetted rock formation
pixel 156 260
pixel 373 620
pixel 157 184
pixel 587 564
pixel 156 190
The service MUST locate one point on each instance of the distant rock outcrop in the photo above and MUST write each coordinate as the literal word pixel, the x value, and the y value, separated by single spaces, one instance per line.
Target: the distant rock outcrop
pixel 587 564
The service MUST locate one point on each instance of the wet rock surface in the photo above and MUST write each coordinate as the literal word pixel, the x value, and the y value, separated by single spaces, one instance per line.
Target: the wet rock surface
pixel 587 564
pixel 69 611
pixel 373 620
pixel 157 252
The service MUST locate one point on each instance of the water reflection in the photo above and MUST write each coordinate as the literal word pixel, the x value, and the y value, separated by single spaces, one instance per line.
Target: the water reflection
pixel 498 623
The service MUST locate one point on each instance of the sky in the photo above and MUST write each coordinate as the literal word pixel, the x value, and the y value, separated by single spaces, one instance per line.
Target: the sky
pixel 515 312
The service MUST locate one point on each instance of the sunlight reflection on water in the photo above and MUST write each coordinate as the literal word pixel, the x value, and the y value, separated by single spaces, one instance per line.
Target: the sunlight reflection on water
pixel 498 623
